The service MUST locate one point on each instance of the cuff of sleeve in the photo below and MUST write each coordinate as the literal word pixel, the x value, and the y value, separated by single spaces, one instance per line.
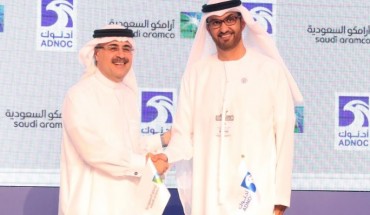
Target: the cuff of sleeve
pixel 138 164
pixel 284 202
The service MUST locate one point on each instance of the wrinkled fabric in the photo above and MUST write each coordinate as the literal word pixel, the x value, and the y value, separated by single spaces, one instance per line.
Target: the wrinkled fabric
pixel 102 154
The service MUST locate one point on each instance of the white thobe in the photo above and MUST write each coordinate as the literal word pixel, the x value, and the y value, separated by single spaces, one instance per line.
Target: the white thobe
pixel 257 132
pixel 102 154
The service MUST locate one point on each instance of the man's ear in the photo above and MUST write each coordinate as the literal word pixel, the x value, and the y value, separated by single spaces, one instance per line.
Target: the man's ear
pixel 242 23
pixel 95 53
pixel 207 27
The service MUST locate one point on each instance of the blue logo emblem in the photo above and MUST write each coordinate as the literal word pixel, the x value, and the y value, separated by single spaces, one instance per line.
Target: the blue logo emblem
pixel 352 122
pixel 353 111
pixel 157 109
pixel 248 183
pixel 263 14
pixel 56 30
pixel 157 106
pixel 1 18
pixel 57 13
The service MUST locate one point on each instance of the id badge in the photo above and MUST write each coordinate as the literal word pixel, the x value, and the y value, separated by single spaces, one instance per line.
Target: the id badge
pixel 223 127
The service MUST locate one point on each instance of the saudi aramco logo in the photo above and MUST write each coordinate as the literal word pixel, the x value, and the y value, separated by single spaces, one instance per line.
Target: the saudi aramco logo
pixel 1 18
pixel 189 22
pixel 299 119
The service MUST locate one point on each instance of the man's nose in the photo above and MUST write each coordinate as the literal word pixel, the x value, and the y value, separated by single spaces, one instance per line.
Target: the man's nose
pixel 223 27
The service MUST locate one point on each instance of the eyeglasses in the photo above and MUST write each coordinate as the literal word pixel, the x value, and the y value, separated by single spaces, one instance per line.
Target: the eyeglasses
pixel 229 20
pixel 115 48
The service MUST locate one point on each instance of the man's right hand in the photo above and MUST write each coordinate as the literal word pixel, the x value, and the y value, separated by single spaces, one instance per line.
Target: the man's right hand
pixel 160 162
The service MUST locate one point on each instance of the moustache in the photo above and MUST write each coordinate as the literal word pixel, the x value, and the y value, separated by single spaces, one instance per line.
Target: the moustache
pixel 223 33
pixel 120 60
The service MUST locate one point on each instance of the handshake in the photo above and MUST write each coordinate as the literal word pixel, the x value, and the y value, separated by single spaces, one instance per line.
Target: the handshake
pixel 160 162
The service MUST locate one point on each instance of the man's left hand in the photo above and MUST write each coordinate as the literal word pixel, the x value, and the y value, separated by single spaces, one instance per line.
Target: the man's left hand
pixel 165 138
pixel 279 209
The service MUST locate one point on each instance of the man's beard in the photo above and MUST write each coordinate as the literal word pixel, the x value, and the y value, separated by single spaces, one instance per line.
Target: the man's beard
pixel 225 46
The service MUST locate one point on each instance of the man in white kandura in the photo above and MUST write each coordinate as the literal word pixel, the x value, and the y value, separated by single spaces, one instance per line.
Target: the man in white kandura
pixel 235 119
pixel 103 155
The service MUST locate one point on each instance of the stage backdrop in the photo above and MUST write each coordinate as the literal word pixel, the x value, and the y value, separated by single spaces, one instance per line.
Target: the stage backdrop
pixel 325 44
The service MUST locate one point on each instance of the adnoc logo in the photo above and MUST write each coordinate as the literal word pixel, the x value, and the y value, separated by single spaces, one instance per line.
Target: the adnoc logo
pixel 57 13
pixel 157 109
pixel 248 182
pixel 352 122
pixel 263 13
pixel 56 30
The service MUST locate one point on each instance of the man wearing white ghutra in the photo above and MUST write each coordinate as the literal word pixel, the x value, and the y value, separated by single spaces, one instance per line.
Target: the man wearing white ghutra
pixel 232 138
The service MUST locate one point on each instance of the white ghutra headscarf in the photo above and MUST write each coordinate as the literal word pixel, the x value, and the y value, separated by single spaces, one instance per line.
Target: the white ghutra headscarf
pixel 254 37
pixel 107 34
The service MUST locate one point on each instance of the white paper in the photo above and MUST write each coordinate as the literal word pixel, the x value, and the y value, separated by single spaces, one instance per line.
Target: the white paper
pixel 152 193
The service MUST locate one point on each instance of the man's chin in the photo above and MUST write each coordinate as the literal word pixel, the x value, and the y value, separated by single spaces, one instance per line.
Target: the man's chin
pixel 226 47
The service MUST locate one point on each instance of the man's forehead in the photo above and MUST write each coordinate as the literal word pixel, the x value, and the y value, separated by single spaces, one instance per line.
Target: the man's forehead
pixel 224 15
pixel 118 43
